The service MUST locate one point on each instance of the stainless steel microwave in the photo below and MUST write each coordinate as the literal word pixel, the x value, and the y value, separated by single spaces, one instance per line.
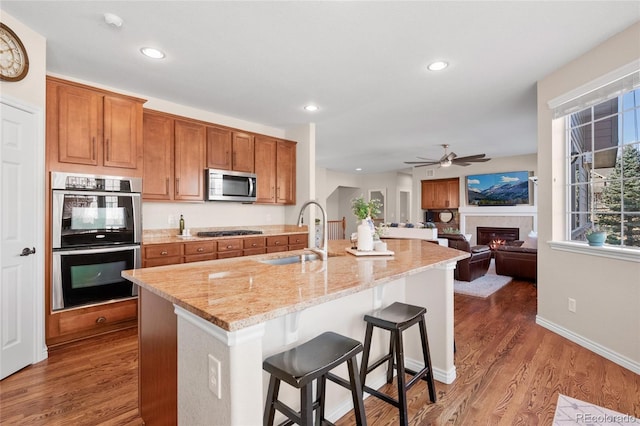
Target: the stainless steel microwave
pixel 227 185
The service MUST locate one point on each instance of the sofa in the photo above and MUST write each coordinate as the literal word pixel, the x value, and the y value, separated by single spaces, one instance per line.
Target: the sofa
pixel 472 267
pixel 517 262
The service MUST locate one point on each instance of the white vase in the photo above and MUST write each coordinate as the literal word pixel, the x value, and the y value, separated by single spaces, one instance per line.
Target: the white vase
pixel 365 236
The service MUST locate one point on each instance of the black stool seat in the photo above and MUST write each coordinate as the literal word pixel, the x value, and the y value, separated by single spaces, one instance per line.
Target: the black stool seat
pixel 396 318
pixel 313 360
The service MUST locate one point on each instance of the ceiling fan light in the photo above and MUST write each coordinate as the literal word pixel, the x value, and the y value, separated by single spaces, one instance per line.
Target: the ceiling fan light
pixel 446 163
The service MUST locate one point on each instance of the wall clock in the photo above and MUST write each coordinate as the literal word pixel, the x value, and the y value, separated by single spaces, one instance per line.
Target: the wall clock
pixel 14 63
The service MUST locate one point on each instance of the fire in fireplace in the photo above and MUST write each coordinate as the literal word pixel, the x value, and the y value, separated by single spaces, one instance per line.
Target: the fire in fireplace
pixel 496 236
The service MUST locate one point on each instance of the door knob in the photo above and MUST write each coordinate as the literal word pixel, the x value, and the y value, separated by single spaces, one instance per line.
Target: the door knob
pixel 27 251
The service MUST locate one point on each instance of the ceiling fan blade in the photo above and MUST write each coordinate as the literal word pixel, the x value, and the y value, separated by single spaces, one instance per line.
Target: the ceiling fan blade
pixel 471 157
pixel 427 159
pixel 457 163
pixel 424 163
pixel 427 164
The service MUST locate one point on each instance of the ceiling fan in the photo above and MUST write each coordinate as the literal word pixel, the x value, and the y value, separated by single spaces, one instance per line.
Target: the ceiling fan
pixel 450 158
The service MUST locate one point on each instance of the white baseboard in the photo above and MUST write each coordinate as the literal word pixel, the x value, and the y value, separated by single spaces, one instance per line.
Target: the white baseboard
pixel 603 351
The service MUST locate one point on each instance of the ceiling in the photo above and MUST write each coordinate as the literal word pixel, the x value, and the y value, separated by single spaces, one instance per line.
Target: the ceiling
pixel 363 63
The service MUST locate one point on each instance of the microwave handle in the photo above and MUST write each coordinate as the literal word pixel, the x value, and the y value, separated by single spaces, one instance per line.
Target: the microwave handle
pixel 250 186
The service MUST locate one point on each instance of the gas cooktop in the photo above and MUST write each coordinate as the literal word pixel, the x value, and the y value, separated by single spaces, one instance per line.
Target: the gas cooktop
pixel 230 233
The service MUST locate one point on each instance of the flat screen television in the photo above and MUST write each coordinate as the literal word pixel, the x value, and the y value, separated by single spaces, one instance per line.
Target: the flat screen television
pixel 499 189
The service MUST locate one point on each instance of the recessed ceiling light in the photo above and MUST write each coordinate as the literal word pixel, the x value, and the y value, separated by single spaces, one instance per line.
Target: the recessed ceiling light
pixel 152 52
pixel 437 66
pixel 311 108
pixel 359 169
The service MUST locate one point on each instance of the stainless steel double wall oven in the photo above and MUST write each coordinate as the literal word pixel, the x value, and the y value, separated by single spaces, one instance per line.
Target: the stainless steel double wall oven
pixel 96 234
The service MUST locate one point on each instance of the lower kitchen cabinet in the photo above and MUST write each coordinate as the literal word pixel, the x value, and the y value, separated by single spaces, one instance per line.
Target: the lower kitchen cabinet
pixel 277 243
pixel 73 324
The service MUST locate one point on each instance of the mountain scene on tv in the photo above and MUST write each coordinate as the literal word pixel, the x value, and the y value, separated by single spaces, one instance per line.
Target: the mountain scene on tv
pixel 498 189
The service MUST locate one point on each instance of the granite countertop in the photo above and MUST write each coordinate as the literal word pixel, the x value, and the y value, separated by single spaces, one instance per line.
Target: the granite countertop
pixel 166 236
pixel 240 292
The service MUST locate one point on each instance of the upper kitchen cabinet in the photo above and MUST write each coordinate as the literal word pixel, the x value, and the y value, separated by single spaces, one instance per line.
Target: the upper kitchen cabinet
pixel 174 158
pixel 90 130
pixel 190 145
pixel 229 150
pixel 275 165
pixel 157 179
pixel 219 148
pixel 441 194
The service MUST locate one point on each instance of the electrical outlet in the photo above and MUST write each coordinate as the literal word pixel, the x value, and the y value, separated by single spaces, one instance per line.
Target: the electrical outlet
pixel 171 220
pixel 214 376
pixel 572 305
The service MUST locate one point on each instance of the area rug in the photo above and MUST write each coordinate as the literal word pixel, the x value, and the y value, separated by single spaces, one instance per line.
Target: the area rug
pixel 484 286
pixel 570 411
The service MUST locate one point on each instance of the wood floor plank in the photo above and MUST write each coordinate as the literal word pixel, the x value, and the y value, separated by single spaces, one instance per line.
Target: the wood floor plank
pixel 509 372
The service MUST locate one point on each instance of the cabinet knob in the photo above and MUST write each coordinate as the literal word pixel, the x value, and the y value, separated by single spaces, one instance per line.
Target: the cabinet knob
pixel 163 253
pixel 229 247
pixel 254 245
pixel 101 320
pixel 200 249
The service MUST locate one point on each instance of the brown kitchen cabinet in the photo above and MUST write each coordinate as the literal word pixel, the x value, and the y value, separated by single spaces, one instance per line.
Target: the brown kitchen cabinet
pixel 231 247
pixel 441 194
pixel 161 254
pixel 276 243
pixel 90 130
pixel 298 241
pixel 174 158
pixel 219 148
pixel 79 323
pixel 199 250
pixel 275 165
pixel 253 245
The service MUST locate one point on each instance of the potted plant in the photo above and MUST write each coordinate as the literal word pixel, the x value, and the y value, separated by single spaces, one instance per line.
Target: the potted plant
pixel 364 211
pixel 596 236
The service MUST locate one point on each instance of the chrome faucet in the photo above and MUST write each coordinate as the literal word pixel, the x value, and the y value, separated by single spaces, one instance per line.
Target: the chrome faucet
pixel 324 252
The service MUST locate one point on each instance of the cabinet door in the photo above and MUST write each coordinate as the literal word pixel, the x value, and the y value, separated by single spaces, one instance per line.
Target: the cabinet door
pixel 441 195
pixel 79 125
pixel 265 162
pixel 428 194
pixel 189 161
pixel 218 148
pixel 121 118
pixel 243 158
pixel 157 178
pixel 453 186
pixel 286 173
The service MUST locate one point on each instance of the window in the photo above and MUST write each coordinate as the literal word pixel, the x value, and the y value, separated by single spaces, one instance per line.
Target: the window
pixel 604 170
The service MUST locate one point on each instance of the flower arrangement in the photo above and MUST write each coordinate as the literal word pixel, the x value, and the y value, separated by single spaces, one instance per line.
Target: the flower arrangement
pixel 362 209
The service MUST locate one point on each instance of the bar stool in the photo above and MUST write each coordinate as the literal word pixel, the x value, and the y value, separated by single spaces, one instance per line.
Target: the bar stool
pixel 301 365
pixel 396 318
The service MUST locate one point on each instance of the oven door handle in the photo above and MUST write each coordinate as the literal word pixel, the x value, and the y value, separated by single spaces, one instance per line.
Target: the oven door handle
pixel 94 250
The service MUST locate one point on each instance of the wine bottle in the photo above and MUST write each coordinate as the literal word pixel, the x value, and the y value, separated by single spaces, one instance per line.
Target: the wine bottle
pixel 181 225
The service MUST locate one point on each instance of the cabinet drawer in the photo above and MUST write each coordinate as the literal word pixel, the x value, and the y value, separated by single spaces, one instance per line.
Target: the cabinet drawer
pixel 277 249
pixel 199 257
pixel 161 261
pixel 232 244
pixel 199 248
pixel 299 239
pixel 96 317
pixel 278 241
pixel 252 251
pixel 162 250
pixel 253 243
pixel 229 254
pixel 298 247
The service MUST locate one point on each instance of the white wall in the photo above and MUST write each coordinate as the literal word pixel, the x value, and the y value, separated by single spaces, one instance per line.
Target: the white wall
pixel 607 291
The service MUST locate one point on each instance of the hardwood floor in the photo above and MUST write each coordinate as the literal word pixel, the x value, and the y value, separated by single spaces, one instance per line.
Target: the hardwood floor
pixel 509 370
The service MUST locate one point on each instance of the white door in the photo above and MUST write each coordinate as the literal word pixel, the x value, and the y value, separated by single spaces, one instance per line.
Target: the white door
pixel 18 140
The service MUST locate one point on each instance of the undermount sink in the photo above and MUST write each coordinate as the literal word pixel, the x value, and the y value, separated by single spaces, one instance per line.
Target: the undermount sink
pixel 307 257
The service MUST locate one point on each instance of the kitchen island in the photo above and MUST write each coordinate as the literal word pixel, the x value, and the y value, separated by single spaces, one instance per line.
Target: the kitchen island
pixel 233 313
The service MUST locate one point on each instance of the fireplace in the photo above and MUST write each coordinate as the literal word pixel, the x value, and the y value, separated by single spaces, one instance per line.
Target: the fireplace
pixel 494 236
